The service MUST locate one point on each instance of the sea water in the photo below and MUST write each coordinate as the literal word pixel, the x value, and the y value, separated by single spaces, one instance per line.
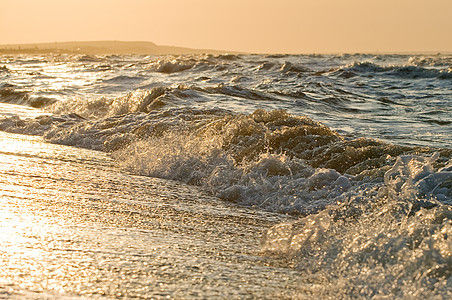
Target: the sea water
pixel 353 150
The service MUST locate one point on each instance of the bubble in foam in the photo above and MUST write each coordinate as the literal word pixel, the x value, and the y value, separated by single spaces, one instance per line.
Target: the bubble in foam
pixel 388 239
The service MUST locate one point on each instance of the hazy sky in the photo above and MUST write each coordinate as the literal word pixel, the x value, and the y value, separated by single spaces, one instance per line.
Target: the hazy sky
pixel 270 26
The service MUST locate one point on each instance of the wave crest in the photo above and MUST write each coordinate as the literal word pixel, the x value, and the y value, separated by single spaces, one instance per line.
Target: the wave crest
pixel 8 94
pixel 270 159
pixel 137 101
pixel 408 71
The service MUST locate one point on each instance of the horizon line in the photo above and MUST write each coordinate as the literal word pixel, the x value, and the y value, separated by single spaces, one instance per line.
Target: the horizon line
pixel 207 50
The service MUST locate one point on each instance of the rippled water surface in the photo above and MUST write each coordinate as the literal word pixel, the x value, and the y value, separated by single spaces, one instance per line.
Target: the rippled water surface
pixel 232 176
pixel 402 99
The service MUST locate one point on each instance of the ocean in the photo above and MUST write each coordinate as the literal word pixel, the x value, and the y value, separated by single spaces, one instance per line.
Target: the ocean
pixel 226 176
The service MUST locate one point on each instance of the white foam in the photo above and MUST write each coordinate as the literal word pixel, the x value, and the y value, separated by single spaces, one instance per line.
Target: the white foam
pixel 387 240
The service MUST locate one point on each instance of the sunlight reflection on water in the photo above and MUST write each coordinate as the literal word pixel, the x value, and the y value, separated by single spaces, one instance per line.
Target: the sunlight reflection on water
pixel 72 226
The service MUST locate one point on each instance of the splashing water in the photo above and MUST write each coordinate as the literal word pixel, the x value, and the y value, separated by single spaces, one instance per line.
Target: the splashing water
pixel 370 185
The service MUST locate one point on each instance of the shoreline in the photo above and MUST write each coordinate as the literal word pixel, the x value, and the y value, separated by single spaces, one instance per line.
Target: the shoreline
pixel 104 47
pixel 86 229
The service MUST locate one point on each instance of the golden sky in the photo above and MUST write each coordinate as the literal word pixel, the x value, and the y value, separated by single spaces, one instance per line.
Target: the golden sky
pixel 264 26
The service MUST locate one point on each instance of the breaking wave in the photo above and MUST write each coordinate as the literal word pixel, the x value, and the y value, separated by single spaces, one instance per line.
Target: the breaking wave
pixel 171 66
pixel 408 71
pixel 268 159
pixel 8 94
pixel 390 239
pixel 429 61
pixel 371 219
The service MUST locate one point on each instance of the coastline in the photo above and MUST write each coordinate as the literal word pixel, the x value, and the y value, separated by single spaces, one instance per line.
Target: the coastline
pixel 104 48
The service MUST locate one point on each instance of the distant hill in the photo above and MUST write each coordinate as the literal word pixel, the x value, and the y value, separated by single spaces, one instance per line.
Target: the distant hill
pixel 102 47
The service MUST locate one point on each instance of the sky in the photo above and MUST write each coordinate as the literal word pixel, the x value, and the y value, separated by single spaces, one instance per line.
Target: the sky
pixel 258 26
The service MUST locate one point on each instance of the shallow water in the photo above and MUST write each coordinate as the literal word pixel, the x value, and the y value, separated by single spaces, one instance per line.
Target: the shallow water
pixel 309 176
pixel 74 226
